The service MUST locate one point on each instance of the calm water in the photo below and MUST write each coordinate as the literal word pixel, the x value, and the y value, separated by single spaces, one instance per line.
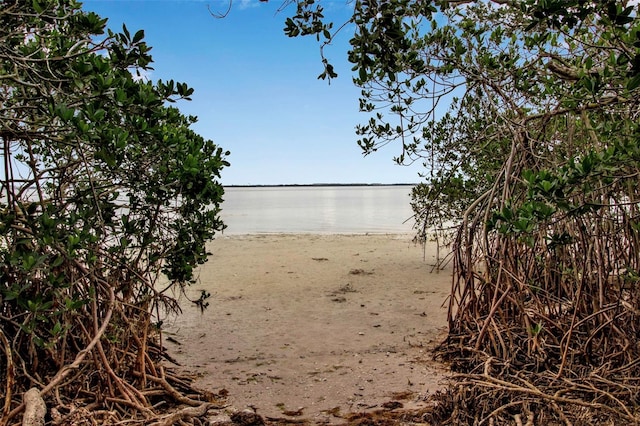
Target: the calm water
pixel 318 209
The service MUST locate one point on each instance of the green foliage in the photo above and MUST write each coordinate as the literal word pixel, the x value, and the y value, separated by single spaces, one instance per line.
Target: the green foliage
pixel 104 187
pixel 525 116
pixel 493 67
pixel 308 20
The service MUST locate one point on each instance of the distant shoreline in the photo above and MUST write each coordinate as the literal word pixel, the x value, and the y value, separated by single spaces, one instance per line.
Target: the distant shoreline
pixel 298 185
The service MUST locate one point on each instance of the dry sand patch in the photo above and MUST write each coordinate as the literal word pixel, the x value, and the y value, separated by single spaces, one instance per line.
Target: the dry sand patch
pixel 314 326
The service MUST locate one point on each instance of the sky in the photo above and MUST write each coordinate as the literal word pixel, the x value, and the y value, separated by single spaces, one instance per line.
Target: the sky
pixel 256 90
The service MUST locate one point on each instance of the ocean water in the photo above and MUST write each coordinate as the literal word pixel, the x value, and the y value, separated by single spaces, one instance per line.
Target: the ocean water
pixel 318 209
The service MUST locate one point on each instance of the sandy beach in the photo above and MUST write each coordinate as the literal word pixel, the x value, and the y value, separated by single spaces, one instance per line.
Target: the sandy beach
pixel 315 326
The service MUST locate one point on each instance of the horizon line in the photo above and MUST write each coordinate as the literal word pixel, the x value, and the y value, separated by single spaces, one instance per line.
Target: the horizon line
pixel 313 184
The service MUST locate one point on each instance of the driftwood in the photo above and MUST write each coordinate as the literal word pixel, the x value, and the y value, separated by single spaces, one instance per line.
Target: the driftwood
pixel 34 408
pixel 183 414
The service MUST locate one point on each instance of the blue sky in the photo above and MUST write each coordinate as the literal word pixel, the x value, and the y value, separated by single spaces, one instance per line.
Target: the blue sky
pixel 256 90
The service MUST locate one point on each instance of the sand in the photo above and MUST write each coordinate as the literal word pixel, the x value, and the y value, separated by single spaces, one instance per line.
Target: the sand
pixel 315 326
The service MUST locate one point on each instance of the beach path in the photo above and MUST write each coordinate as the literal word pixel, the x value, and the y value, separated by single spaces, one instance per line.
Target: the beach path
pixel 315 326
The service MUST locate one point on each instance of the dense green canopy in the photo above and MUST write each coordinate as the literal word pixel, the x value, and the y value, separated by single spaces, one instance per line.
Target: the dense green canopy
pixel 107 198
pixel 525 115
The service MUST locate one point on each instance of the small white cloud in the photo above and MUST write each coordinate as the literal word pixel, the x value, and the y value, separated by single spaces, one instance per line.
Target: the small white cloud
pixel 247 4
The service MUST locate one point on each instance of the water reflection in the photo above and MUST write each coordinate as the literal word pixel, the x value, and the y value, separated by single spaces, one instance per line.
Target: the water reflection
pixel 318 209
